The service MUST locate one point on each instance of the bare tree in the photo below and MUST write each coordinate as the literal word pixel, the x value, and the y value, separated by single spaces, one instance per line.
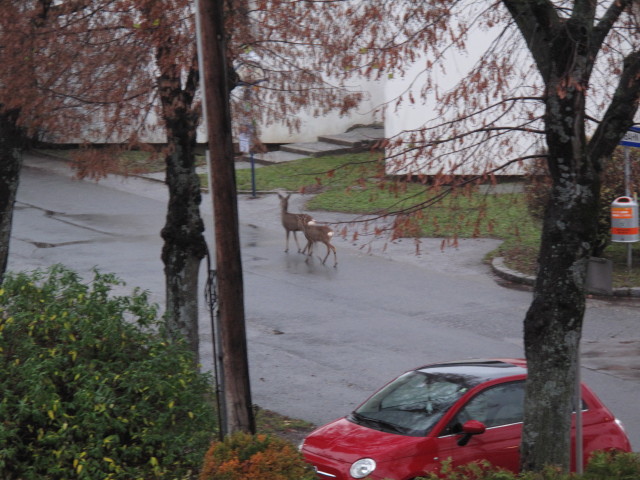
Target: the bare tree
pixel 565 46
pixel 45 91
pixel 101 71
pixel 555 76
pixel 14 35
pixel 167 31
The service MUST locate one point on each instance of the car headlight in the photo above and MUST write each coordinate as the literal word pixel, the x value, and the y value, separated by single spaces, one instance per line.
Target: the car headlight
pixel 619 423
pixel 362 468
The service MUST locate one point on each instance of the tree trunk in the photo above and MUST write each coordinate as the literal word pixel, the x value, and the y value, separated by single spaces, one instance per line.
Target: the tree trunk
pixel 564 49
pixel 553 324
pixel 10 164
pixel 184 244
pixel 184 247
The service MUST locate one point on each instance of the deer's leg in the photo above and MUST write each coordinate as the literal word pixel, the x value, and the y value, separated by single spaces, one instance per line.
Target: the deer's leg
pixel 296 239
pixel 331 248
pixel 286 249
pixel 328 251
pixel 309 247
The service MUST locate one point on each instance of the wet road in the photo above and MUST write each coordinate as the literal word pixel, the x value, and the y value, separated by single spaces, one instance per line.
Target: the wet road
pixel 320 339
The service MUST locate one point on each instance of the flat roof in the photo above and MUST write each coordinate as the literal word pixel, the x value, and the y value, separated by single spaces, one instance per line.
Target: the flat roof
pixel 482 370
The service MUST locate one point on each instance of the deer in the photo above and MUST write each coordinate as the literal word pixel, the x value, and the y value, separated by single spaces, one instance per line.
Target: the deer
pixel 292 222
pixel 318 233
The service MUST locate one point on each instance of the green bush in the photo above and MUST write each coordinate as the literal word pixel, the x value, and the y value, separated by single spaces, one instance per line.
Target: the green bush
pixel 602 466
pixel 254 457
pixel 485 471
pixel 613 466
pixel 91 388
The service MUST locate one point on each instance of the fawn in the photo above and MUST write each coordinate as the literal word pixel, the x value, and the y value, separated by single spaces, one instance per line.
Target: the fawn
pixel 292 221
pixel 318 233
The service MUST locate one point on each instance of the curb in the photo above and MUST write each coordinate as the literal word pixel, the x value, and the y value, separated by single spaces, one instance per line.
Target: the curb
pixel 500 269
pixel 504 272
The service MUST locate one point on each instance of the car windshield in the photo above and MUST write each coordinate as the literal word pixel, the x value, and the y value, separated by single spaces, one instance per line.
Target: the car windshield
pixel 413 403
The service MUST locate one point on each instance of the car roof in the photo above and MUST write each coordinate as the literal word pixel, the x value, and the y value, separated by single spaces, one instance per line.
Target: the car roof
pixel 481 370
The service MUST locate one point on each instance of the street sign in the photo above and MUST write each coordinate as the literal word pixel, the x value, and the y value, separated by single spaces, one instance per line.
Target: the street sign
pixel 244 143
pixel 631 138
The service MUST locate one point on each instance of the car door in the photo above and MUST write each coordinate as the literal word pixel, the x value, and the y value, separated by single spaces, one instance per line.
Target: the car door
pixel 500 409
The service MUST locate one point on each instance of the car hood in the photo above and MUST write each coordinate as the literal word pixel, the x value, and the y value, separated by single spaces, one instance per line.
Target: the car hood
pixel 346 441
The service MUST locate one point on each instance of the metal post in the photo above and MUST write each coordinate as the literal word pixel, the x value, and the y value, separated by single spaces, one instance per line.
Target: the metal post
pixel 627 190
pixel 253 175
pixel 578 403
pixel 627 173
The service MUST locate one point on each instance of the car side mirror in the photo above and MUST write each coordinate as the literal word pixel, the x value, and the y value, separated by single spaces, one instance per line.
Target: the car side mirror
pixel 469 429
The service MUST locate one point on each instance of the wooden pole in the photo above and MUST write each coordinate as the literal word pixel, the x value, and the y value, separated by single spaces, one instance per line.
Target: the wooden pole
pixel 214 77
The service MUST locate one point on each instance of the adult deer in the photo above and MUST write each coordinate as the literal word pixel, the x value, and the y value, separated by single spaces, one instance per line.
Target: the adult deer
pixel 292 222
pixel 318 233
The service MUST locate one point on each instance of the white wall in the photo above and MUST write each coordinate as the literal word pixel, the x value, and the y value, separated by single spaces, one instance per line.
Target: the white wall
pixel 401 120
pixel 312 127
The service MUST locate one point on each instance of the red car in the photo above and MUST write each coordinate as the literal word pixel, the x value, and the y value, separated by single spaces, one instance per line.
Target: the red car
pixel 466 411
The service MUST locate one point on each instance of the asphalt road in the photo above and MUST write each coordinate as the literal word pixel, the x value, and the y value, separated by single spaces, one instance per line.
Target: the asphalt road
pixel 320 338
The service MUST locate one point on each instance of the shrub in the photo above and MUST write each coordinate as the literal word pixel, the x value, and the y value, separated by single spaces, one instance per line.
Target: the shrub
pixel 481 471
pixel 91 389
pixel 602 466
pixel 254 457
pixel 613 466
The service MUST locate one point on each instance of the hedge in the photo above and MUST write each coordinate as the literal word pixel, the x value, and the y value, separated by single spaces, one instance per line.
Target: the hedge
pixel 91 387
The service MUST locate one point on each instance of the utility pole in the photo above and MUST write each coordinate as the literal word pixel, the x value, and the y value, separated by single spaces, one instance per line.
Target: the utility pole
pixel 233 340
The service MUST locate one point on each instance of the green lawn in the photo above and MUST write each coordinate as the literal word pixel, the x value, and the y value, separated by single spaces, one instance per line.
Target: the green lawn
pixel 356 183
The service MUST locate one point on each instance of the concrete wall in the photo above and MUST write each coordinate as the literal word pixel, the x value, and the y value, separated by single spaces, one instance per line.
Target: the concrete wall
pixel 368 113
pixel 401 120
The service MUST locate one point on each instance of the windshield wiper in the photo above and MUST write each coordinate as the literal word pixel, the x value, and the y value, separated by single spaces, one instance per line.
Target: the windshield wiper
pixel 377 422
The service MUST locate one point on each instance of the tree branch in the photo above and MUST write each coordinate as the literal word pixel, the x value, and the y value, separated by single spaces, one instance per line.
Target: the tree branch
pixel 622 109
pixel 607 22
pixel 537 20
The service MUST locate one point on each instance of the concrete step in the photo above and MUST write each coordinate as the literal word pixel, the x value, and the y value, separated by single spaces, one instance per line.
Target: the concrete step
pixel 271 158
pixel 315 149
pixel 357 138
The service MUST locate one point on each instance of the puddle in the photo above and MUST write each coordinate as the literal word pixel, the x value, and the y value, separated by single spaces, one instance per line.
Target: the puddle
pixel 618 358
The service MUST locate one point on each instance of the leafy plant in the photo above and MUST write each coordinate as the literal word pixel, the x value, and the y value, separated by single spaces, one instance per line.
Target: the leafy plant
pixel 613 466
pixel 601 466
pixel 91 388
pixel 241 456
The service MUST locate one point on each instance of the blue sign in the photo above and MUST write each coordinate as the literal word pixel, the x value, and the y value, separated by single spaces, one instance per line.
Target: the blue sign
pixel 631 138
